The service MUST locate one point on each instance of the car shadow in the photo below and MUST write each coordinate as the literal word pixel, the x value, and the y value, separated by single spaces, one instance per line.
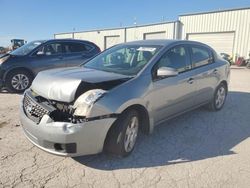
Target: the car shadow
pixel 197 135
pixel 5 91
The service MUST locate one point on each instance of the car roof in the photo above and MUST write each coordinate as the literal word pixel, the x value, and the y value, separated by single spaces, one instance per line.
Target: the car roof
pixel 66 40
pixel 162 42
pixel 167 42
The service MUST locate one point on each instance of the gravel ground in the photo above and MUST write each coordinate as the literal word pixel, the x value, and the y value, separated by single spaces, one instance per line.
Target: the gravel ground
pixel 197 149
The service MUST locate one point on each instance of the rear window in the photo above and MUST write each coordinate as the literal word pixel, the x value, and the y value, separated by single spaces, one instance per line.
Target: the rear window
pixel 200 56
pixel 77 47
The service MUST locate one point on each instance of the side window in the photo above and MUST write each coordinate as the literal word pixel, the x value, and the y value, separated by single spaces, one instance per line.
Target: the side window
pixel 77 47
pixel 200 56
pixel 51 49
pixel 175 58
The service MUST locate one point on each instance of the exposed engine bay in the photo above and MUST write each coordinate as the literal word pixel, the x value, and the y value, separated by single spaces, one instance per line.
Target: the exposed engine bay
pixel 36 106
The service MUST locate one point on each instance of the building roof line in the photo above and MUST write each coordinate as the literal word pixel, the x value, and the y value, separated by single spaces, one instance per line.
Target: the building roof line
pixel 117 28
pixel 152 24
pixel 214 11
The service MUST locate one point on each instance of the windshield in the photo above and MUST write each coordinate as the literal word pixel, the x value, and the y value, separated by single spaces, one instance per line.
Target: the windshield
pixel 123 59
pixel 27 48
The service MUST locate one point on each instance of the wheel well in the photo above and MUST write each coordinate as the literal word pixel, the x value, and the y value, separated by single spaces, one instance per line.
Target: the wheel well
pixel 19 68
pixel 143 117
pixel 225 83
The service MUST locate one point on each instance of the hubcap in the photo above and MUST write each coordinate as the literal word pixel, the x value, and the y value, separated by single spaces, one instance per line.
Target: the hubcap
pixel 131 134
pixel 20 82
pixel 220 97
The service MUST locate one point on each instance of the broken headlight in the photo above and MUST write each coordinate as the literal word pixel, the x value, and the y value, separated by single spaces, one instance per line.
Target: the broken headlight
pixel 84 103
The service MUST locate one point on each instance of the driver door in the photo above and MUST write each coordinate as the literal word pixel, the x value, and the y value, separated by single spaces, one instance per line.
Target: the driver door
pixel 173 95
pixel 49 56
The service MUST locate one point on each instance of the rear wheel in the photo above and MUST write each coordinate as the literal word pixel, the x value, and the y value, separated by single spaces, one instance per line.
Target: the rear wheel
pixel 248 64
pixel 122 136
pixel 18 80
pixel 219 98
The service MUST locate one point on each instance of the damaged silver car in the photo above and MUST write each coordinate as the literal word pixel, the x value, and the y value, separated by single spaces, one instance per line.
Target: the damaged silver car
pixel 130 87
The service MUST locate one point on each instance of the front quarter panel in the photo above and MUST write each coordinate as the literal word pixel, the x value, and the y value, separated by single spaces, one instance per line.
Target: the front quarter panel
pixel 127 94
pixel 16 63
pixel 124 96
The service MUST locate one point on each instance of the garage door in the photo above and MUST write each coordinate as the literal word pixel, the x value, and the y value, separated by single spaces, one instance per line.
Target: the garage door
pixel 221 42
pixel 155 35
pixel 111 40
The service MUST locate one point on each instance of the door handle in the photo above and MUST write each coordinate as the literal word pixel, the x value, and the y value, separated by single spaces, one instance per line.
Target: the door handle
pixel 190 80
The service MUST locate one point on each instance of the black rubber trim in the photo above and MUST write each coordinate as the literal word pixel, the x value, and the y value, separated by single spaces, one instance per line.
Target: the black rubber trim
pixel 99 117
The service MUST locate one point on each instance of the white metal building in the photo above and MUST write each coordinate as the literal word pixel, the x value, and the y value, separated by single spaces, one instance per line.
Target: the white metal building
pixel 226 31
pixel 106 38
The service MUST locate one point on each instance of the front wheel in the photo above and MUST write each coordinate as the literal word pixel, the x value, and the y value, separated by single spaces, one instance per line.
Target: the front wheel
pixel 122 136
pixel 18 81
pixel 219 98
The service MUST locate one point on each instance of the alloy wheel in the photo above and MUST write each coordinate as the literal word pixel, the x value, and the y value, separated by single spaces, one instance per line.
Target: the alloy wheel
pixel 131 134
pixel 20 81
pixel 220 97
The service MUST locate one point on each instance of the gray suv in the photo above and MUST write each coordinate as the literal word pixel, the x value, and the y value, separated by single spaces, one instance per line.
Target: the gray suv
pixel 130 87
pixel 19 67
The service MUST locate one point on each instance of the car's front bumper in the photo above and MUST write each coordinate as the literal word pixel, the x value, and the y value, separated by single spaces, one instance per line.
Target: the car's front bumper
pixel 1 77
pixel 1 83
pixel 66 139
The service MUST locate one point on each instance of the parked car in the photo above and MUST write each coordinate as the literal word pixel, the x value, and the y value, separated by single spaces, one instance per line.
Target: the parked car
pixel 19 67
pixel 248 61
pixel 129 87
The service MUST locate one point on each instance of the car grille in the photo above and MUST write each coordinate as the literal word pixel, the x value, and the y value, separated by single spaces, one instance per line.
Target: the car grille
pixel 33 110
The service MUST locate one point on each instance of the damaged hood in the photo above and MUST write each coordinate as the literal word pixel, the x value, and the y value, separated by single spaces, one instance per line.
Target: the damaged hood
pixel 62 84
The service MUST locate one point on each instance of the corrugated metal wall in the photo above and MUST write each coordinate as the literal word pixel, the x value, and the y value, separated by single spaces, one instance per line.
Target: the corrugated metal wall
pixel 125 34
pixel 98 36
pixel 237 21
pixel 64 36
pixel 137 33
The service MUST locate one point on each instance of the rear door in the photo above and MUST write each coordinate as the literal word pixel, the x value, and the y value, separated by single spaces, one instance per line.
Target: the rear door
pixel 206 72
pixel 77 53
pixel 172 95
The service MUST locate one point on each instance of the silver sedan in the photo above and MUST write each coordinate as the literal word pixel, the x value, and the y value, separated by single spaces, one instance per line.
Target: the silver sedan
pixel 130 87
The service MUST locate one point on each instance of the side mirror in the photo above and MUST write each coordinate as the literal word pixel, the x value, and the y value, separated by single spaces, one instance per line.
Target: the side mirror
pixel 166 72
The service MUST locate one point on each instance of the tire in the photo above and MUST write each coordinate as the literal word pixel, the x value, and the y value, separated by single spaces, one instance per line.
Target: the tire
pixel 18 81
pixel 219 98
pixel 117 141
pixel 248 65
